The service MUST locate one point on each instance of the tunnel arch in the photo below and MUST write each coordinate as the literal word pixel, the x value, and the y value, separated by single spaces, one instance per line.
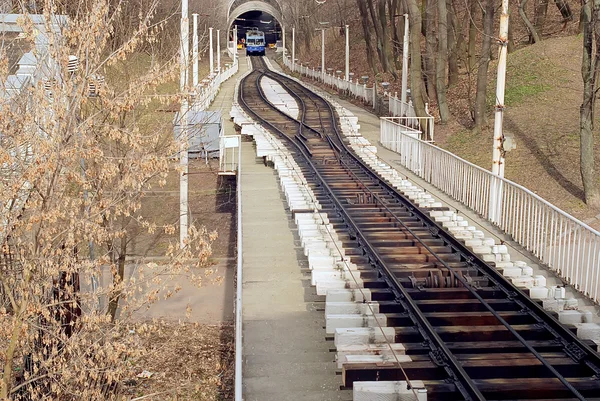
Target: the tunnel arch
pixel 239 7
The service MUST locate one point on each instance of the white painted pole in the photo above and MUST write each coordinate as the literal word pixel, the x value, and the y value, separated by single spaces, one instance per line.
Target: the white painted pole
pixel 404 65
pixel 212 51
pixel 293 48
pixel 195 51
pixel 322 51
pixel 218 51
pixel 497 153
pixel 239 283
pixel 347 74
pixel 283 34
pixel 183 121
pixel 235 40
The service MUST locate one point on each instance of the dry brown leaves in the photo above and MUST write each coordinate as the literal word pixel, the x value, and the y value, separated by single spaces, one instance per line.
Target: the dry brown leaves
pixel 184 361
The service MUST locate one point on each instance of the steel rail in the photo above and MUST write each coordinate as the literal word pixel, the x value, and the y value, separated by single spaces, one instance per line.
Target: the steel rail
pixel 467 256
pixel 462 380
pixel 571 349
pixel 554 327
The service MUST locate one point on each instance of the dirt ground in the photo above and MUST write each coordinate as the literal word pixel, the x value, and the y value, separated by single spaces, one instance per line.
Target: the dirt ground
pixel 183 361
pixel 191 356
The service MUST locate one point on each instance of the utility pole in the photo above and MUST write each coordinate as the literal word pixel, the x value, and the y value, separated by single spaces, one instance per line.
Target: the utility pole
pixel 283 34
pixel 235 40
pixel 405 51
pixel 497 150
pixel 212 50
pixel 219 51
pixel 195 51
pixel 323 52
pixel 183 122
pixel 293 48
pixel 347 72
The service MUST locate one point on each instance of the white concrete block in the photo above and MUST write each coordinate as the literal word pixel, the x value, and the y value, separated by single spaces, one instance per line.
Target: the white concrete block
pixel 588 331
pixel 362 308
pixel 473 242
pixel 489 242
pixel 389 391
pixel 523 281
pixel 349 295
pixel 538 292
pixel 539 281
pixel 527 270
pixel 333 322
pixel 512 271
pixel 570 317
pixel 364 335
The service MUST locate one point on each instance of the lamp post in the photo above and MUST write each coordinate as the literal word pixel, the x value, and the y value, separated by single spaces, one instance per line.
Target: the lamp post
pixel 404 64
pixel 183 156
pixel 498 144
pixel 218 51
pixel 195 51
pixel 323 50
pixel 293 48
pixel 347 74
pixel 235 40
pixel 211 50
pixel 283 35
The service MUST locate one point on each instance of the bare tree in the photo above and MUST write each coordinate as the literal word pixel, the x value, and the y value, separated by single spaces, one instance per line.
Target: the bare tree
pixel 79 163
pixel 589 71
pixel 416 73
pixel 442 60
pixel 484 62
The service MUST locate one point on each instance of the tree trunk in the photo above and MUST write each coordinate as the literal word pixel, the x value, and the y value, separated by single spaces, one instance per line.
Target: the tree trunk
pixel 118 277
pixel 416 72
pixel 482 71
pixel 454 36
pixel 397 26
pixel 364 18
pixel 387 53
pixel 565 10
pixel 442 61
pixel 511 38
pixel 589 71
pixel 430 49
pixel 532 32
pixel 471 59
pixel 380 32
pixel 539 17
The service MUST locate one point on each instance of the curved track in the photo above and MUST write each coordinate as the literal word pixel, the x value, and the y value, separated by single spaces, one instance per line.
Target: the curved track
pixel 470 333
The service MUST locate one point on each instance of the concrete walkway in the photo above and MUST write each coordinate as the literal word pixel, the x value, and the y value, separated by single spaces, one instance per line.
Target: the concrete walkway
pixel 285 353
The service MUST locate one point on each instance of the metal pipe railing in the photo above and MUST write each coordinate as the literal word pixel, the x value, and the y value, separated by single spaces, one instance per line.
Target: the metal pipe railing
pixel 568 246
pixel 355 89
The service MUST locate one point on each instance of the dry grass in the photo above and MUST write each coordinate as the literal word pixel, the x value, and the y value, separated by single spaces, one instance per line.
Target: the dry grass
pixel 186 361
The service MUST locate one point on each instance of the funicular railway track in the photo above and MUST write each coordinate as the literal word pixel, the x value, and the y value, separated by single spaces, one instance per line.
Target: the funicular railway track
pixel 469 332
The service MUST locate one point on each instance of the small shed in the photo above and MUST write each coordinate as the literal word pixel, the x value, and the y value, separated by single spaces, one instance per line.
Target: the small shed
pixel 204 128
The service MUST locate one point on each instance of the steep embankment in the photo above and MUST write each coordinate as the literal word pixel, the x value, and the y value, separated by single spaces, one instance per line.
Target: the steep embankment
pixel 543 95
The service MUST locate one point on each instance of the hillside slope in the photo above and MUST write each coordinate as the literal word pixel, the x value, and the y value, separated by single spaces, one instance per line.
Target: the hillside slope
pixel 543 95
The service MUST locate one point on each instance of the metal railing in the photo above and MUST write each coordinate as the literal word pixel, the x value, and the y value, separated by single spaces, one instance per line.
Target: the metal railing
pixel 353 88
pixel 568 246
pixel 206 93
pixel 406 111
pixel 229 147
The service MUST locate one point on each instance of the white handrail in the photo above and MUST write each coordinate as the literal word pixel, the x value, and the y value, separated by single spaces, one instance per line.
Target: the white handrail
pixel 207 93
pixel 355 89
pixel 568 246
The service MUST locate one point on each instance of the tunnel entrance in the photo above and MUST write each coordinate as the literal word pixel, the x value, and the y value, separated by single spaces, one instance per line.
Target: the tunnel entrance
pixel 260 20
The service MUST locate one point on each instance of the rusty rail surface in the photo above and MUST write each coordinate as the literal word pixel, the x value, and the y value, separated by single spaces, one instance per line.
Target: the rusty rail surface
pixel 471 334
